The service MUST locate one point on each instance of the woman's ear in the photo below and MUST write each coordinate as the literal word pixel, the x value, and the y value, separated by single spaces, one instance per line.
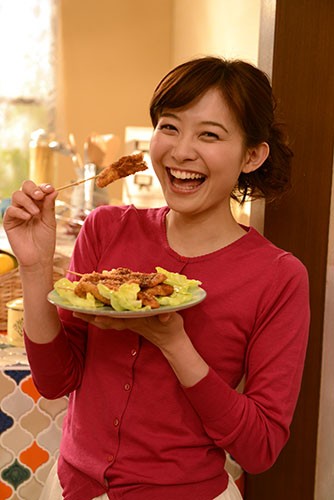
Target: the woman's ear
pixel 255 157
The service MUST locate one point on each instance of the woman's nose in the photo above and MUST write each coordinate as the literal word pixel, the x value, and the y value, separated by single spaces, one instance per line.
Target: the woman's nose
pixel 184 150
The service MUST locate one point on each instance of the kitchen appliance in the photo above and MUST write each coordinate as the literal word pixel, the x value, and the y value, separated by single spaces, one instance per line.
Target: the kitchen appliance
pixel 143 188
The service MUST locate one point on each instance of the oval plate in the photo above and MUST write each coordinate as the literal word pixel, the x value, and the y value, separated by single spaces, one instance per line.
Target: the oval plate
pixel 55 299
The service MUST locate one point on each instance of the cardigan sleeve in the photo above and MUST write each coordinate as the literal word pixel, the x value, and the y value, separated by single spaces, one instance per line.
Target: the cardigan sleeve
pixel 253 426
pixel 57 367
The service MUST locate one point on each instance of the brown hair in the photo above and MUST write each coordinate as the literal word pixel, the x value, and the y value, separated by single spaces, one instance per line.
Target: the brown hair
pixel 248 93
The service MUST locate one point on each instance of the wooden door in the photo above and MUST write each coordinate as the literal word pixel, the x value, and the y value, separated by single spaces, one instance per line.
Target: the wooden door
pixel 303 81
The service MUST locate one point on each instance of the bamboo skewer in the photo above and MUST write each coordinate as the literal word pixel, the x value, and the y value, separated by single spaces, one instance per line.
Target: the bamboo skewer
pixel 74 272
pixel 71 184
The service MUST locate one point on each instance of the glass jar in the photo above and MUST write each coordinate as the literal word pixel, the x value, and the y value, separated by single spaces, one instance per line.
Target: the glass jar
pixel 41 158
pixel 15 322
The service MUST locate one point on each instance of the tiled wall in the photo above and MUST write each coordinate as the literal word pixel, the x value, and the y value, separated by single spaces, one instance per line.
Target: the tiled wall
pixel 30 431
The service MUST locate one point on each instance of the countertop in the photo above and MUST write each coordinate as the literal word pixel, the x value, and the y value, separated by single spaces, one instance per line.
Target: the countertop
pixel 11 356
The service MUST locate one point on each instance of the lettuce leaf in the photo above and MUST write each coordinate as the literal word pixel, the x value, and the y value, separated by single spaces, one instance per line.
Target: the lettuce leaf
pixel 184 288
pixel 123 299
pixel 180 282
pixel 176 299
pixel 65 289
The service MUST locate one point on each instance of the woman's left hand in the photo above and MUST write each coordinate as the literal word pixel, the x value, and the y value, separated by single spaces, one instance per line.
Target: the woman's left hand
pixel 162 330
pixel 166 331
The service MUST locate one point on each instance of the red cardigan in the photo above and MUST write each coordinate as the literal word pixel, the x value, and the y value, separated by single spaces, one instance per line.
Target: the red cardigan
pixel 131 429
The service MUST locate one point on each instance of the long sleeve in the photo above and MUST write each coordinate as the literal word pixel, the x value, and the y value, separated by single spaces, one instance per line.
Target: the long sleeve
pixel 254 426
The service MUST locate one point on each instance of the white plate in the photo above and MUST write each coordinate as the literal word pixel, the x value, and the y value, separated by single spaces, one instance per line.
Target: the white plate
pixel 56 300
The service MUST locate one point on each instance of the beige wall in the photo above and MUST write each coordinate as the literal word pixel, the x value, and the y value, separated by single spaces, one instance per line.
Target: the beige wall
pixel 112 55
pixel 229 28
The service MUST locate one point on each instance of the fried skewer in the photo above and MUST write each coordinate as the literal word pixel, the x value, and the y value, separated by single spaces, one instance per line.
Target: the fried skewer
pixel 126 165
pixel 151 285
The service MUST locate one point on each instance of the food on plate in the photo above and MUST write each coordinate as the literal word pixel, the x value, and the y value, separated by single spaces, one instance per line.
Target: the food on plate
pixel 127 290
pixel 123 167
pixel 150 285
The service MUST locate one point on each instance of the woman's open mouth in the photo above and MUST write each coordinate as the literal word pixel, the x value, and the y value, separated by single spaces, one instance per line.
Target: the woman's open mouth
pixel 185 180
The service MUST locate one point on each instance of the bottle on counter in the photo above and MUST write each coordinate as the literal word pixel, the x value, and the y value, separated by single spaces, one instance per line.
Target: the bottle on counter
pixel 41 158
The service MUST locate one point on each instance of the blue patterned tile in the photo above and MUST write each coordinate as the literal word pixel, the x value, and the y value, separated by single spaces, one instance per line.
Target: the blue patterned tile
pixel 5 422
pixel 17 375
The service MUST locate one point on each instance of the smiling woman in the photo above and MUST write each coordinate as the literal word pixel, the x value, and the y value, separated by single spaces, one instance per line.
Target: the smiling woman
pixel 27 92
pixel 165 387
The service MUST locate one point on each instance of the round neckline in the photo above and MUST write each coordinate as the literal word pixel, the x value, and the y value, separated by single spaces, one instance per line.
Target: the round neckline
pixel 183 258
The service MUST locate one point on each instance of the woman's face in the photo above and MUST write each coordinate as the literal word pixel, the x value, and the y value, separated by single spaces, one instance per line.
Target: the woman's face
pixel 198 153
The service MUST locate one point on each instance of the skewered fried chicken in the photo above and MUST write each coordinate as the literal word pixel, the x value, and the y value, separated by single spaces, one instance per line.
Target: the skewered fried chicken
pixel 151 285
pixel 123 167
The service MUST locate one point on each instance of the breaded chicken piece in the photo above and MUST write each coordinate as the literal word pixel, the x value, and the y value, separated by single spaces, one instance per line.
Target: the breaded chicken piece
pixel 148 299
pixel 123 167
pixel 151 285
pixel 88 287
pixel 161 290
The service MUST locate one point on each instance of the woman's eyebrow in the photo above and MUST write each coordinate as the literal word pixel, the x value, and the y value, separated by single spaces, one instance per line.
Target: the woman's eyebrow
pixel 169 115
pixel 215 124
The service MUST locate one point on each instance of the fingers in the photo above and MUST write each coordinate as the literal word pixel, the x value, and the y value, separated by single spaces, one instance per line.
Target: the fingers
pixel 164 318
pixel 103 322
pixel 37 193
pixel 27 201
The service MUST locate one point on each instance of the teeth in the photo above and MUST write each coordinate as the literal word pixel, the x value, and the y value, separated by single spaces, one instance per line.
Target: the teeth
pixel 181 174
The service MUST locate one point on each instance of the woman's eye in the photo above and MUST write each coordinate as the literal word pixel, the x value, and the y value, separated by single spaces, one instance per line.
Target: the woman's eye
pixel 210 135
pixel 167 126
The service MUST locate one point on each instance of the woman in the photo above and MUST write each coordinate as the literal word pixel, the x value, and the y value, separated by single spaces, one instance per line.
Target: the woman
pixel 153 403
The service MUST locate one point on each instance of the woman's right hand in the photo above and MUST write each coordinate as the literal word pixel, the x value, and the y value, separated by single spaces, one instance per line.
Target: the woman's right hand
pixel 30 224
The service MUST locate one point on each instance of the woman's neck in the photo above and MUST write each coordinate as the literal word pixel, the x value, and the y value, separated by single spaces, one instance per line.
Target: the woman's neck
pixel 192 236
